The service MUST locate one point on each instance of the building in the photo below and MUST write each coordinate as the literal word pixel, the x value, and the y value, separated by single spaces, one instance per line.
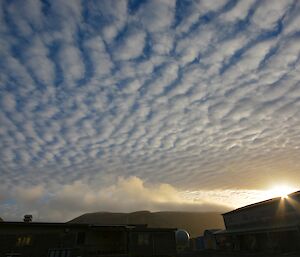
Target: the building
pixel 271 225
pixel 34 239
pixel 276 212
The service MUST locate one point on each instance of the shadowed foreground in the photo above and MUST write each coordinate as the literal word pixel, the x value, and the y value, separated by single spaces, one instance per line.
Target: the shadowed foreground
pixel 240 254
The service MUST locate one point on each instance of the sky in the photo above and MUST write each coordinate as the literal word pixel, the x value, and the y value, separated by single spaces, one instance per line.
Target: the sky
pixel 146 105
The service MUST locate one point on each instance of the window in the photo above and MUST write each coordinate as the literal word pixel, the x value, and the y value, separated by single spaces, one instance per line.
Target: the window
pixel 143 239
pixel 23 241
pixel 80 238
pixel 51 253
pixel 59 252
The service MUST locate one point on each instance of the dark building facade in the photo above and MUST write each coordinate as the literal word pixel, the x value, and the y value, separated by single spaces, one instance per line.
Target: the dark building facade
pixel 271 225
pixel 85 240
pixel 281 211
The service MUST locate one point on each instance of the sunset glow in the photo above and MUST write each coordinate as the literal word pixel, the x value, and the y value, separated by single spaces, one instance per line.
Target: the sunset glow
pixel 280 191
pixel 236 198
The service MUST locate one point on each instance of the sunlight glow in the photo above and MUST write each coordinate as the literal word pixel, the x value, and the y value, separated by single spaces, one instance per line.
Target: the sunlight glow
pixel 280 191
pixel 236 198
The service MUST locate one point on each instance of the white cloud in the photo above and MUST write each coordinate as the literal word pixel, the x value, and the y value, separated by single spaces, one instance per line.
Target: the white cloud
pixel 292 25
pixel 14 68
pixel 31 194
pixel 267 15
pixel 167 76
pixel 26 16
pixel 39 63
pixel 287 55
pixel 100 58
pixel 254 56
pixel 239 12
pixel 71 63
pixel 163 43
pixel 157 15
pixel 114 14
pixel 9 102
pixel 196 10
pixel 189 48
pixel 209 6
pixel 131 46
pixel 70 13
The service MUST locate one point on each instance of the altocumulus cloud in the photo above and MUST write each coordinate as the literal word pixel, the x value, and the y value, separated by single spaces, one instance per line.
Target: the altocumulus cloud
pixel 185 93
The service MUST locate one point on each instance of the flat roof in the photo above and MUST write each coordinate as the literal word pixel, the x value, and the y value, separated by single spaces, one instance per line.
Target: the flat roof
pixel 53 224
pixel 81 225
pixel 260 203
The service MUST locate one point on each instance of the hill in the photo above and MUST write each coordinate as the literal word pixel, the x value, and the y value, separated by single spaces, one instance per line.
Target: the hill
pixel 194 222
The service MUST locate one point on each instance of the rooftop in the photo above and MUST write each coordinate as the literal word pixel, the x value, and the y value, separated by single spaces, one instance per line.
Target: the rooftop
pixel 80 225
pixel 269 201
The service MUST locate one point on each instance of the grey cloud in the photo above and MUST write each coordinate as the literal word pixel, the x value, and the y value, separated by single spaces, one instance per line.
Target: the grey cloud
pixel 39 63
pixel 115 16
pixel 131 46
pixel 291 25
pixel 157 15
pixel 9 102
pixel 71 64
pixel 200 41
pixel 101 60
pixel 266 16
pixel 74 199
pixel 163 43
pixel 239 12
pixel 195 10
pixel 26 16
pixel 168 74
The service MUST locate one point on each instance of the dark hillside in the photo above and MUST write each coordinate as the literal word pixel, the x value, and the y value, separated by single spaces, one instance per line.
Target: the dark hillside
pixel 194 222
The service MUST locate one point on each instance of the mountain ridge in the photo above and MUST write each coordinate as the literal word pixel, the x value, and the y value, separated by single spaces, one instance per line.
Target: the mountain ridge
pixel 194 222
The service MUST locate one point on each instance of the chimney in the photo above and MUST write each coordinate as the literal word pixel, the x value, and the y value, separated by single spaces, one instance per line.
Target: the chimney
pixel 27 218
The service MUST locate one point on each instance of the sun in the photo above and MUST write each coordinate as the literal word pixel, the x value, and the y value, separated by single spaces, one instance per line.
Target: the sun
pixel 280 191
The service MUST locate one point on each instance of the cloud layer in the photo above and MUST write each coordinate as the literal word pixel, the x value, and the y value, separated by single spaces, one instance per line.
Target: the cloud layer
pixel 195 94
pixel 62 203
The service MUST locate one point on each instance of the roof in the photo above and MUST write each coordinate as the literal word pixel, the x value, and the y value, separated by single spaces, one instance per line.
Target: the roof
pixel 81 225
pixel 269 201
pixel 52 224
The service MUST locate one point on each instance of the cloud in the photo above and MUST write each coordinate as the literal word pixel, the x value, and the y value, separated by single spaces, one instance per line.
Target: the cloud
pixel 39 63
pixel 131 46
pixel 239 12
pixel 126 195
pixel 25 17
pixel 101 60
pixel 31 194
pixel 113 14
pixel 157 15
pixel 267 16
pixel 9 102
pixel 188 95
pixel 64 202
pixel 291 24
pixel 71 63
pixel 192 15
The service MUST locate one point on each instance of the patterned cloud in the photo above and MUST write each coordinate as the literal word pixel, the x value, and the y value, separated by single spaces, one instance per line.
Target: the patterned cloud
pixel 199 95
